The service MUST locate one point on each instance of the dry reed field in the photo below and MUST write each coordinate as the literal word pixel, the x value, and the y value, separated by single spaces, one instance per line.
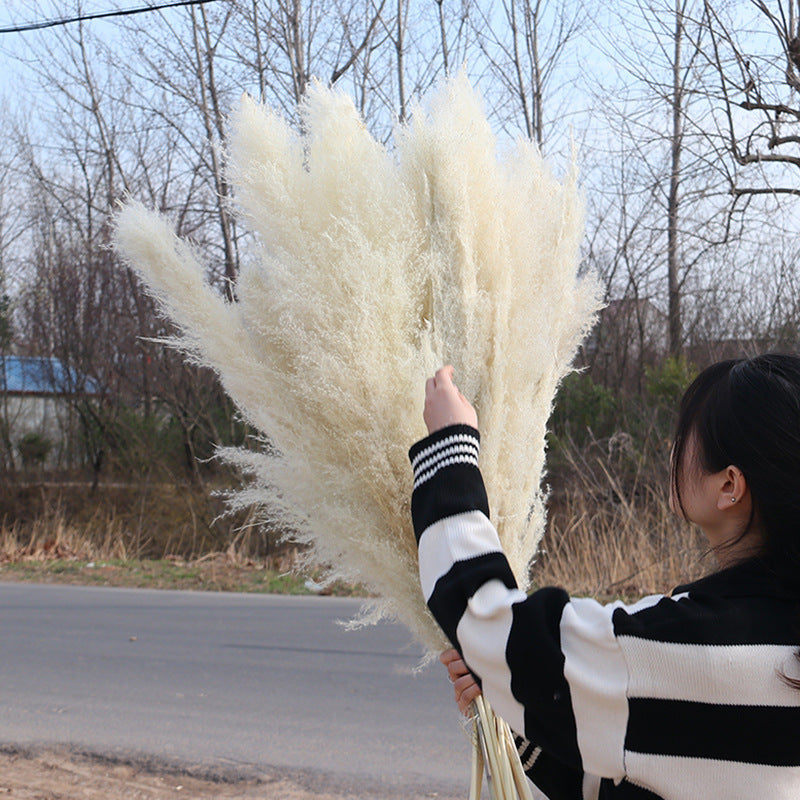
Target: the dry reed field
pixel 619 548
pixel 610 534
pixel 121 521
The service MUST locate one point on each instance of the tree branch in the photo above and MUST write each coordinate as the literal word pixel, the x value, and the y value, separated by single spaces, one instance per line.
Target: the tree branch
pixel 737 192
pixel 339 71
pixel 780 108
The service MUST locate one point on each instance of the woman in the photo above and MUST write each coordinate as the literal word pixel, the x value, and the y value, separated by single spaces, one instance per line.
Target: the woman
pixel 690 696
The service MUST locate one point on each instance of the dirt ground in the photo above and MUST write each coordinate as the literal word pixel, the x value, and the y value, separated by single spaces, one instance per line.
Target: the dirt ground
pixel 66 775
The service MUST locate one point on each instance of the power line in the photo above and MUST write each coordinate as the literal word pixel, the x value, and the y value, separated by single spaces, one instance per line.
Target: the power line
pixel 124 12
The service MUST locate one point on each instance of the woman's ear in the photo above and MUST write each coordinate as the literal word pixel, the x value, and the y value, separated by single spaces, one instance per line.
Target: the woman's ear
pixel 732 488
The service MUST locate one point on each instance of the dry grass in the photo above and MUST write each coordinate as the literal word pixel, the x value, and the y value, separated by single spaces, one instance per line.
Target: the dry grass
pixel 53 536
pixel 610 547
pixel 119 522
pixel 611 532
pixel 166 537
pixel 600 541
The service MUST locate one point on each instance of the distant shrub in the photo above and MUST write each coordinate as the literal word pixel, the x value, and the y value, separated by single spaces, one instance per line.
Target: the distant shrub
pixel 667 382
pixel 34 448
pixel 665 385
pixel 584 409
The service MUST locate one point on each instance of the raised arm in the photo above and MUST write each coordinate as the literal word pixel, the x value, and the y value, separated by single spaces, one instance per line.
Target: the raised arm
pixel 549 665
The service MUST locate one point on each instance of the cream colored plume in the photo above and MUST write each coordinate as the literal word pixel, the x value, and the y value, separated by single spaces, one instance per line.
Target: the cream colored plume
pixel 370 268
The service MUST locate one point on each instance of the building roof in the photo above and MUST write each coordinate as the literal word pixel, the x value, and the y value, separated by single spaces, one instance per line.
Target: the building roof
pixel 42 376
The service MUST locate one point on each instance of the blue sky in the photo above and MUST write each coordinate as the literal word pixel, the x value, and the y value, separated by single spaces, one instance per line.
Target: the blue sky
pixel 15 45
pixel 14 12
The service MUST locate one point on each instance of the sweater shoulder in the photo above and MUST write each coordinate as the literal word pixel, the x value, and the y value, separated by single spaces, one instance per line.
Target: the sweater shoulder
pixel 700 618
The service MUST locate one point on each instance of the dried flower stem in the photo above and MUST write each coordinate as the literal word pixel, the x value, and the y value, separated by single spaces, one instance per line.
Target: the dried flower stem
pixel 494 748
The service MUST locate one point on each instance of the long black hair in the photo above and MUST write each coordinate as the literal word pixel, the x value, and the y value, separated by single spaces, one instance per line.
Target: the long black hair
pixel 746 412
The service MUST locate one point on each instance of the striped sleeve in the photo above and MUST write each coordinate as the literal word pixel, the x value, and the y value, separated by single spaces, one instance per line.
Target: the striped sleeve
pixel 682 697
pixel 549 665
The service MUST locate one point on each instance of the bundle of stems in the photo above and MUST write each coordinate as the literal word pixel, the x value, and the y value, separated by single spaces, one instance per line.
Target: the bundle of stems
pixel 495 755
pixel 370 267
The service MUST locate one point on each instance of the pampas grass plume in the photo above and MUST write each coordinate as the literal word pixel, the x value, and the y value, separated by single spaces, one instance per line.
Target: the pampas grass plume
pixel 370 268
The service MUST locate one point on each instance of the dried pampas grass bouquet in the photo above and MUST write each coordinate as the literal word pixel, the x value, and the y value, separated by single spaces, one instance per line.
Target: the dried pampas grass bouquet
pixel 372 266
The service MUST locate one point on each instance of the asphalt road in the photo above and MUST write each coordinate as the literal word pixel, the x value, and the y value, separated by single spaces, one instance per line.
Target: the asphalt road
pixel 230 683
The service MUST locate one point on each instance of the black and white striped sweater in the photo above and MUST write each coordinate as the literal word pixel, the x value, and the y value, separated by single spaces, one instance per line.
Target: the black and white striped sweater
pixel 681 697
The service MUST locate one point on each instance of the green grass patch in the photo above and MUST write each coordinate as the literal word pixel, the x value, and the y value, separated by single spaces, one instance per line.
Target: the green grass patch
pixel 210 574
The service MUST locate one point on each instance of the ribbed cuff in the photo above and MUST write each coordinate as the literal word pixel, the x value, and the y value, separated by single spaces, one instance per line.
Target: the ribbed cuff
pixel 455 444
pixel 528 753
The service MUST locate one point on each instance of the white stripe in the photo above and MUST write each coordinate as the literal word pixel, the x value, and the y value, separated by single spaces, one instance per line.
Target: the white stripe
pixel 679 778
pixel 456 449
pixel 595 669
pixel 640 605
pixel 426 476
pixel 532 758
pixel 446 442
pixel 452 539
pixel 726 674
pixel 483 635
pixel 591 786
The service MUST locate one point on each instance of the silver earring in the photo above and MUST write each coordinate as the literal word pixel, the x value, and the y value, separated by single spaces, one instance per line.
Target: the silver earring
pixel 733 499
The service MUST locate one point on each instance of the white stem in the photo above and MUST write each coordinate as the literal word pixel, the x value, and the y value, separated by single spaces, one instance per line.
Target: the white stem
pixel 493 754
pixel 494 747
pixel 503 759
pixel 520 779
pixel 482 728
pixel 476 779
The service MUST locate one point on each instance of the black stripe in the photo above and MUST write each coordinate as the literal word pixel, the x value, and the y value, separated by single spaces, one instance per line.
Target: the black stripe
pixel 712 621
pixel 454 449
pixel 441 435
pixel 455 489
pixel 752 578
pixel 536 662
pixel 448 601
pixel 625 791
pixel 749 734
pixel 556 779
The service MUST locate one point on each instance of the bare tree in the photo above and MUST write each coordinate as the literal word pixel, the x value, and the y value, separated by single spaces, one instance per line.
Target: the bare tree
pixel 105 136
pixel 757 96
pixel 661 117
pixel 751 128
pixel 676 101
pixel 399 45
pixel 524 51
pixel 205 44
pixel 283 44
pixel 183 84
pixel 13 226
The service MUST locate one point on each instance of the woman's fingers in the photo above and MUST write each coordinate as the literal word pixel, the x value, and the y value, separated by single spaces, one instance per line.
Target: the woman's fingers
pixel 457 668
pixel 444 375
pixel 454 663
pixel 466 690
pixel 464 685
pixel 444 403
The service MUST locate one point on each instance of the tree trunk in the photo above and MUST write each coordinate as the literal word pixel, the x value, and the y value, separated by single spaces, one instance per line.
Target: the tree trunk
pixel 673 254
pixel 401 87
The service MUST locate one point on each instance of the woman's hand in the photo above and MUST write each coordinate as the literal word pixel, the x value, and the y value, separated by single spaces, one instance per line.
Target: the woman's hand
pixel 463 683
pixel 444 404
